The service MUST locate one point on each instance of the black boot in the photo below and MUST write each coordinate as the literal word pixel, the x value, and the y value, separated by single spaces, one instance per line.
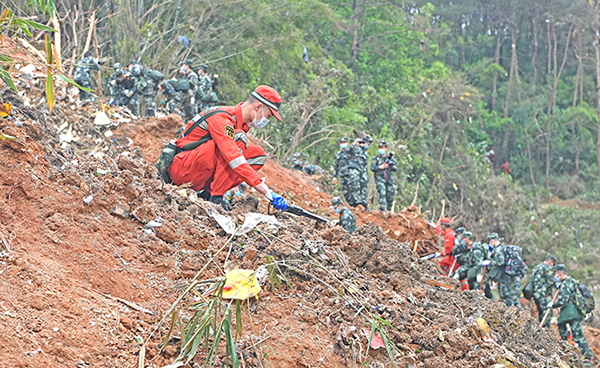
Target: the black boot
pixel 223 203
pixel 204 195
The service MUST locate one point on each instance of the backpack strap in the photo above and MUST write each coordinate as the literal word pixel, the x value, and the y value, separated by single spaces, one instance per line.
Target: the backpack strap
pixel 198 119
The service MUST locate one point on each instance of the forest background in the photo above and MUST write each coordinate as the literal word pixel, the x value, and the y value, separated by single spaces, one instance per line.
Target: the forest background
pixel 457 88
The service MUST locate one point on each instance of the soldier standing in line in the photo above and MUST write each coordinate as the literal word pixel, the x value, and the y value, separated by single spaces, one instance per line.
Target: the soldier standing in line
pixel 114 87
pixel 204 91
pixel 147 86
pixel 542 280
pixel 569 314
pixel 171 98
pixel 509 284
pixel 359 162
pixel 340 168
pixel 382 166
pixel 187 94
pixel 347 219
pixel 82 75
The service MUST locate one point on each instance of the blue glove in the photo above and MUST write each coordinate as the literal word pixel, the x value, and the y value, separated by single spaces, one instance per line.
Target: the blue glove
pixel 277 201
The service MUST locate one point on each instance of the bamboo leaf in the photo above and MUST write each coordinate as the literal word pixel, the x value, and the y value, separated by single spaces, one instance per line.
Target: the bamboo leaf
pixel 5 14
pixel 168 337
pixel 35 25
pixel 56 56
pixel 50 91
pixel 5 58
pixel 48 51
pixel 5 77
pixel 230 343
pixel 73 83
pixel 238 318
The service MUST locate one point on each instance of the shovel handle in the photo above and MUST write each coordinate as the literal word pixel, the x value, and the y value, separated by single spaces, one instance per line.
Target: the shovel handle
pixel 482 278
pixel 548 310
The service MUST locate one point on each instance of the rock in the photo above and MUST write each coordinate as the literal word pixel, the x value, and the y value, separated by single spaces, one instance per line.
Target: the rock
pixel 121 210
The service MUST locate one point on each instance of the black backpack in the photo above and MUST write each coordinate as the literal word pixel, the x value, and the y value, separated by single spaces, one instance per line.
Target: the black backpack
pixel 515 265
pixel 170 150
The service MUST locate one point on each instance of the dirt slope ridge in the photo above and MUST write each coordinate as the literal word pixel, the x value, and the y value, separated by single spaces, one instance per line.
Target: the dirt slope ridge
pixel 65 253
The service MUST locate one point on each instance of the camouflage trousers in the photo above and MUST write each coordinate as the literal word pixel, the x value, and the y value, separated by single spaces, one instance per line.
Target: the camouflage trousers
pixel 578 337
pixel 85 95
pixel 150 105
pixel 364 186
pixel 387 192
pixel 509 288
pixel 542 307
pixel 486 288
pixel 353 193
pixel 189 110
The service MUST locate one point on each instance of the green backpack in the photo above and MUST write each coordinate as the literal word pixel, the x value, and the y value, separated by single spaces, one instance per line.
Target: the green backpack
pixel 170 150
pixel 154 74
pixel 584 299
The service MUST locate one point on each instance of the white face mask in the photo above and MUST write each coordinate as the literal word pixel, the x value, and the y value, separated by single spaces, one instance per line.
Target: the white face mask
pixel 262 122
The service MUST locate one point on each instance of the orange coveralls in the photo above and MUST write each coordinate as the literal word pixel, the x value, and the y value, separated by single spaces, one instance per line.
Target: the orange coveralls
pixel 448 260
pixel 222 162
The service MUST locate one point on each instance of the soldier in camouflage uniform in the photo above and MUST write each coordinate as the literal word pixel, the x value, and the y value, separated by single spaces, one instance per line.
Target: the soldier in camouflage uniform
pixel 114 87
pixel 509 287
pixel 462 252
pixel 340 167
pixel 171 98
pixel 347 219
pixel 359 162
pixel 204 91
pixel 298 164
pixel 186 96
pixel 130 92
pixel 542 280
pixel 146 86
pixel 569 314
pixel 479 258
pixel 82 75
pixel 382 166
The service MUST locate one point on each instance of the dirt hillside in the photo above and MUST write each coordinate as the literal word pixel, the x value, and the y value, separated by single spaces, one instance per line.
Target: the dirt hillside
pixel 78 248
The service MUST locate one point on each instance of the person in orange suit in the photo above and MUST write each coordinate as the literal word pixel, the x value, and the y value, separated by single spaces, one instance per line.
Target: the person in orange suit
pixel 214 155
pixel 448 233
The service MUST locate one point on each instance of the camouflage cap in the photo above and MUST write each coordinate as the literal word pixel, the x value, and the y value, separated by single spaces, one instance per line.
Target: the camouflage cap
pixel 382 144
pixel 187 62
pixel 550 257
pixel 344 139
pixel 297 155
pixel 560 267
pixel 204 68
pixel 336 201
pixel 368 138
pixel 493 236
pixel 460 230
pixel 132 62
pixel 468 235
pixel 117 66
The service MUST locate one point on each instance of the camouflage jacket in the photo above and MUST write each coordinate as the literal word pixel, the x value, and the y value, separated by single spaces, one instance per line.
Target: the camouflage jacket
pixel 542 280
pixel 347 220
pixel 566 301
pixel 385 174
pixel 84 66
pixel 169 91
pixel 192 77
pixel 357 158
pixel 498 258
pixel 115 89
pixel 312 169
pixel 204 87
pixel 340 166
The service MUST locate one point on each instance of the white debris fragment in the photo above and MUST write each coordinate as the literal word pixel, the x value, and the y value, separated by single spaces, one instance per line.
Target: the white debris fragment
pixel 101 119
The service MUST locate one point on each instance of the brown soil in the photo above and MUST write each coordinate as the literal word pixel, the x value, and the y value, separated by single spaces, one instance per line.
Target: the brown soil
pixel 64 254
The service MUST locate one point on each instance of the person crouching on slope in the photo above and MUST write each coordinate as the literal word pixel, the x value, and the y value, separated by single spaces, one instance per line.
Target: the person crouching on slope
pixel 223 158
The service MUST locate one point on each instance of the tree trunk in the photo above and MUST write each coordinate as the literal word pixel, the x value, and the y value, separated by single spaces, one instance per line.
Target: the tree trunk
pixel 355 15
pixel 597 49
pixel 549 109
pixel 529 156
pixel 497 61
pixel 535 45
